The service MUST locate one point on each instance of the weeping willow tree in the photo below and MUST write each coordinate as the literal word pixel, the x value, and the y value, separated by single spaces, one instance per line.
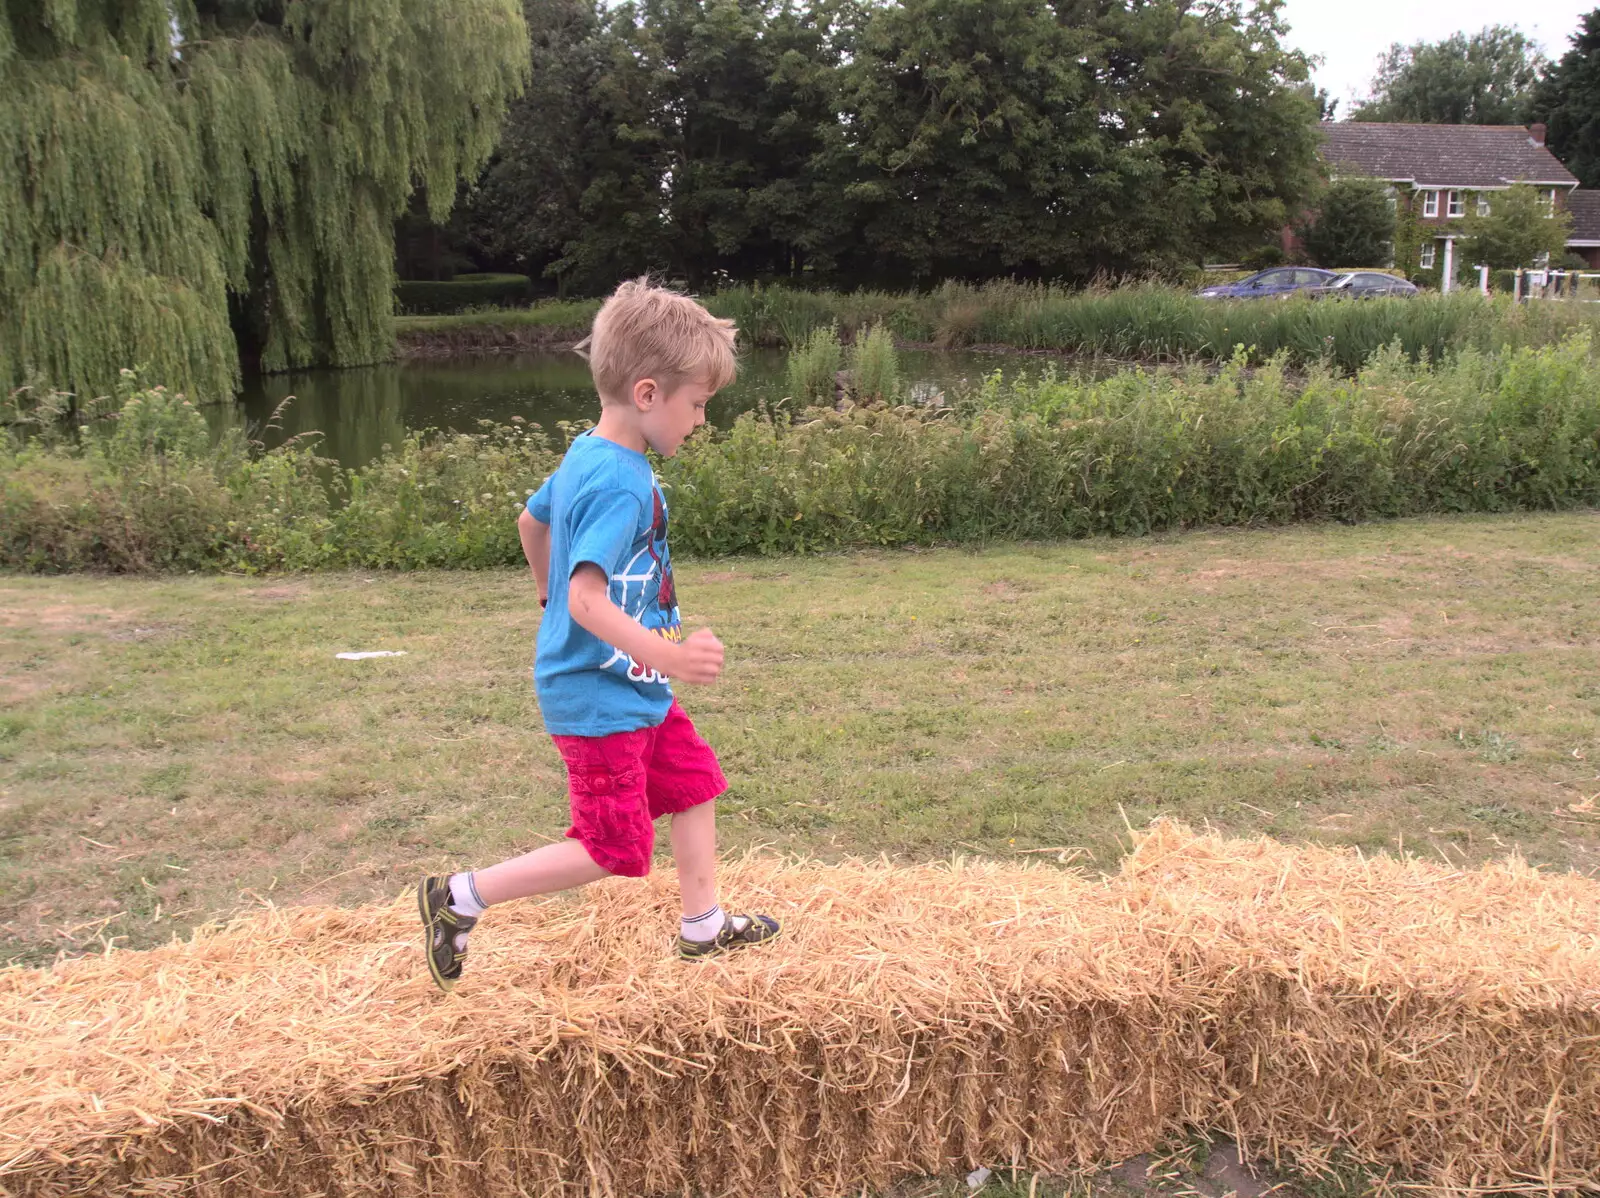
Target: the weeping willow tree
pixel 185 182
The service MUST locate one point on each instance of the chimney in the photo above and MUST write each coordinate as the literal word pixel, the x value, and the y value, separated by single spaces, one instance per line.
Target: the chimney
pixel 1536 133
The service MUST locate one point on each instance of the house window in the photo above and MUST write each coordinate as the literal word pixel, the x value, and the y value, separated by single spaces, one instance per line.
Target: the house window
pixel 1483 205
pixel 1458 204
pixel 1430 203
pixel 1427 259
pixel 1550 201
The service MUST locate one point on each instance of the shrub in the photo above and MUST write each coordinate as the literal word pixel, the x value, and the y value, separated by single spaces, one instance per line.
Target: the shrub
pixel 1354 223
pixel 1143 451
pixel 422 297
pixel 814 367
pixel 1517 231
pixel 1263 257
pixel 153 426
pixel 875 366
pixel 1029 458
pixel 444 499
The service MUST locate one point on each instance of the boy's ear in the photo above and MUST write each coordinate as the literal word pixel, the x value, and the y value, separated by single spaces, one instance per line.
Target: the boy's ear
pixel 645 392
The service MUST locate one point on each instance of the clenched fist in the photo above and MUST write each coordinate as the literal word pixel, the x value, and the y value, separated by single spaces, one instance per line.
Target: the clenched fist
pixel 699 657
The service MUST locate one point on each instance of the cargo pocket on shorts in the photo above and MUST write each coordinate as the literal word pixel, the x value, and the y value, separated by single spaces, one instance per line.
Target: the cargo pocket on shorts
pixel 607 807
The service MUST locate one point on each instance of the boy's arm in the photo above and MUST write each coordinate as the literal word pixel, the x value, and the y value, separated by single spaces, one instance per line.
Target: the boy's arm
pixel 535 535
pixel 698 658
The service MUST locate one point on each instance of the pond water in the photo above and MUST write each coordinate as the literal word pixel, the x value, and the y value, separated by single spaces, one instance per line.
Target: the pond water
pixel 359 411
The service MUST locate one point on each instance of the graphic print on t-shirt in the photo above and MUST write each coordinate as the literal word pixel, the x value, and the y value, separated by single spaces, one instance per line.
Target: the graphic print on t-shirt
pixel 667 594
pixel 644 589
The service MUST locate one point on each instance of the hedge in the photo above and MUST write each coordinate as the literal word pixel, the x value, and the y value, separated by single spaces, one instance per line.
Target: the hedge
pixel 428 298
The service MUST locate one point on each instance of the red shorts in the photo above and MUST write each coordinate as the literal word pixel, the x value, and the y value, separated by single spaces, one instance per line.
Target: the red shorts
pixel 619 785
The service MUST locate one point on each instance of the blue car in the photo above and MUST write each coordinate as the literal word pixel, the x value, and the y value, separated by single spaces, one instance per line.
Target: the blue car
pixel 1277 283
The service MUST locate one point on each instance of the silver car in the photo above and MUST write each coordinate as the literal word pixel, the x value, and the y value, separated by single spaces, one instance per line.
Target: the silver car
pixel 1367 284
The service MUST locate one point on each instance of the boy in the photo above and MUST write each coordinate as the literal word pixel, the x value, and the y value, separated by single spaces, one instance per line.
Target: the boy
pixel 595 536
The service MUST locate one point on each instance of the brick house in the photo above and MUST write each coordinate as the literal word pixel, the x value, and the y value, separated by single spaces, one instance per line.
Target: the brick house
pixel 1585 236
pixel 1442 171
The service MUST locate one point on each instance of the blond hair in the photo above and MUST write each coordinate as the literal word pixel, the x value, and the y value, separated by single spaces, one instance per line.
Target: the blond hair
pixel 649 332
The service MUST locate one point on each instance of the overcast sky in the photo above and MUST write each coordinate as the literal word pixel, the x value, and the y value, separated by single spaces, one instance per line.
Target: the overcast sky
pixel 1351 34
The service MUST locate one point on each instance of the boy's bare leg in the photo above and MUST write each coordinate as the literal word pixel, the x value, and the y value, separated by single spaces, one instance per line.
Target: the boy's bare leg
pixel 552 867
pixel 694 848
pixel 706 929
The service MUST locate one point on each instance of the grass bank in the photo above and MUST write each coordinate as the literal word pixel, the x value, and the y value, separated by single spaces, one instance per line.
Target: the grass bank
pixel 173 747
pixel 1146 323
pixel 540 326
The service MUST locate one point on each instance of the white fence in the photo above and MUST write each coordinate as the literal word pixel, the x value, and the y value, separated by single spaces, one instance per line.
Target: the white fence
pixel 1580 285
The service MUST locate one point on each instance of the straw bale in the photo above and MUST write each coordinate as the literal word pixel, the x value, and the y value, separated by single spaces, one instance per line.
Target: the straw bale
pixel 1444 1025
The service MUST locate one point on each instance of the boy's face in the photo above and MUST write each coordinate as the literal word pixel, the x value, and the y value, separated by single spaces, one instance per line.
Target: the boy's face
pixel 667 418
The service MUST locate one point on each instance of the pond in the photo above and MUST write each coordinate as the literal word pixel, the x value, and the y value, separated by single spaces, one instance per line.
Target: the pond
pixel 359 411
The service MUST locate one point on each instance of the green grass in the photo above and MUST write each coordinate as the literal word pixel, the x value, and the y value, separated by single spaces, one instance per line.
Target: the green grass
pixel 567 317
pixel 173 748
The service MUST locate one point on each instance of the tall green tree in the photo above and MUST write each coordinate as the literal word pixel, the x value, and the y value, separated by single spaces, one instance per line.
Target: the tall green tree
pixel 575 188
pixel 863 141
pixel 983 137
pixel 1568 102
pixel 747 91
pixel 1353 225
pixel 1519 230
pixel 1483 79
pixel 178 177
pixel 670 135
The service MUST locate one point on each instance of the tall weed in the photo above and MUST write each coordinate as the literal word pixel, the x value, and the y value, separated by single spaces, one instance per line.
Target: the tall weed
pixel 1151 450
pixel 813 368
pixel 1149 322
pixel 875 366
pixel 1142 321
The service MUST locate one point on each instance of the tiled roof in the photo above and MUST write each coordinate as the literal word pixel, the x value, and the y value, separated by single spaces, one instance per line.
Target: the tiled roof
pixel 1464 156
pixel 1585 209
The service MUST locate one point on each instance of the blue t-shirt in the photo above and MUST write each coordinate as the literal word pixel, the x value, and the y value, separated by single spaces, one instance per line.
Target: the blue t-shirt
pixel 603 506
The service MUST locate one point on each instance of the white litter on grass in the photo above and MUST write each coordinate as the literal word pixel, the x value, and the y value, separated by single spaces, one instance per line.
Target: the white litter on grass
pixel 977 1177
pixel 362 656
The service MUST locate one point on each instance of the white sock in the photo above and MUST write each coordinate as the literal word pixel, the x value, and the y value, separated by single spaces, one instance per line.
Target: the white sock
pixel 703 928
pixel 464 898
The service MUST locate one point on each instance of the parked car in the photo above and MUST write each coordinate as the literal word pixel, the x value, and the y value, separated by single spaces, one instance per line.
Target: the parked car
pixel 1279 282
pixel 1366 284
